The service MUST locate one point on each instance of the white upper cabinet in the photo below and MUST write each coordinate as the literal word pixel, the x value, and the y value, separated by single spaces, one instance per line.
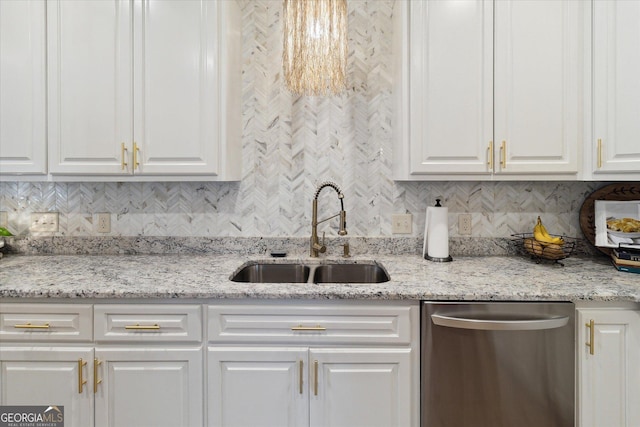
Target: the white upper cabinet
pixel 23 139
pixel 615 150
pixel 144 88
pixel 90 85
pixel 538 81
pixel 451 86
pixel 488 90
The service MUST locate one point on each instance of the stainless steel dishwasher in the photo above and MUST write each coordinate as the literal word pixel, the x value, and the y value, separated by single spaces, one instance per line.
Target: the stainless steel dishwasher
pixel 497 364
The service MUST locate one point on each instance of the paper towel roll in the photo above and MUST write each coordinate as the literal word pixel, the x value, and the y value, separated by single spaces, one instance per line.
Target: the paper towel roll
pixel 436 239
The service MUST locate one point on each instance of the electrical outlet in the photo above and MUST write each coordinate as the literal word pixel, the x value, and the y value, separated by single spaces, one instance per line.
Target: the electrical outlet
pixel 464 224
pixel 401 223
pixel 4 219
pixel 44 222
pixel 103 222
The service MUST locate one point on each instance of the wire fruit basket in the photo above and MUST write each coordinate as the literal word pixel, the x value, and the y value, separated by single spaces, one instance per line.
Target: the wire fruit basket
pixel 528 245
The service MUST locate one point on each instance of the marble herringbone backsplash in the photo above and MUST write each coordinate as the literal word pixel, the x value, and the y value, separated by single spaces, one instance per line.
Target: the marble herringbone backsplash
pixel 290 144
pixel 237 209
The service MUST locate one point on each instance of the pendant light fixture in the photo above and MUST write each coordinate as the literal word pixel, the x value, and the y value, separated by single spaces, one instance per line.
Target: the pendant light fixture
pixel 315 46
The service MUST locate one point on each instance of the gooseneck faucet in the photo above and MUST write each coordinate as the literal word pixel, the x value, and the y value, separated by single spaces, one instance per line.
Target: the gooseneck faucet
pixel 316 247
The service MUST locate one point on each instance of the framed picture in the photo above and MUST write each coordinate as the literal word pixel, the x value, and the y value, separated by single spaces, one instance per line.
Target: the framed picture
pixel 617 223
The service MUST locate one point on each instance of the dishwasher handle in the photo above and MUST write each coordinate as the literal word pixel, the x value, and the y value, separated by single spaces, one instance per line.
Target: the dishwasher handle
pixel 500 325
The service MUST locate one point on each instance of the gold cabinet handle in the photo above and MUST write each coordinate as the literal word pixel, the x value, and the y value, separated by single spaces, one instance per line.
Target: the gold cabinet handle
pixel 591 344
pixel 490 155
pixel 123 155
pixel 503 155
pixel 30 326
pixel 96 380
pixel 81 380
pixel 139 327
pixel 599 153
pixel 301 372
pixel 308 328
pixel 315 377
pixel 136 151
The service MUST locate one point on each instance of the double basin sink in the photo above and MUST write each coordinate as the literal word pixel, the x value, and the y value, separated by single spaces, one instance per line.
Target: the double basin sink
pixel 261 272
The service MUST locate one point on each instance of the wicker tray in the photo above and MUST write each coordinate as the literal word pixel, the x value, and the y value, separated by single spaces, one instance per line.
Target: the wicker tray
pixel 529 246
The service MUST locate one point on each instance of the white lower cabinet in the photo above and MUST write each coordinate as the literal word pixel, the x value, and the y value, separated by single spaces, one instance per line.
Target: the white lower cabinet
pixel 324 387
pixel 339 365
pixel 608 367
pixel 49 376
pixel 276 364
pixel 141 365
pixel 46 358
pixel 259 387
pixel 148 387
pixel 365 387
pixel 148 369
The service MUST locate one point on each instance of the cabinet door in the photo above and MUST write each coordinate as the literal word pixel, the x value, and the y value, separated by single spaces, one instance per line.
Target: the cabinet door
pixel 49 376
pixel 149 387
pixel 258 387
pixel 178 108
pixel 538 77
pixel 616 89
pixel 90 85
pixel 451 86
pixel 609 379
pixel 361 387
pixel 22 87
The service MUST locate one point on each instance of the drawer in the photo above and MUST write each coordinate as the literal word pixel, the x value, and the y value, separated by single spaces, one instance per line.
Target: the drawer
pixel 45 322
pixel 312 324
pixel 146 323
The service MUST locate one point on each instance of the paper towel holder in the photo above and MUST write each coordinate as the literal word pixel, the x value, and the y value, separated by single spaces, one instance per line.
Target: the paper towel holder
pixel 424 247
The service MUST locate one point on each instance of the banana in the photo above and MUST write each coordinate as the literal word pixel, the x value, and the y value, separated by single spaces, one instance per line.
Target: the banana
pixel 541 235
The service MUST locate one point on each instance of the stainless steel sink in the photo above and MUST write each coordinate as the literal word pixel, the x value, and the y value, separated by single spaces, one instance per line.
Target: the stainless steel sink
pixel 257 272
pixel 273 273
pixel 350 273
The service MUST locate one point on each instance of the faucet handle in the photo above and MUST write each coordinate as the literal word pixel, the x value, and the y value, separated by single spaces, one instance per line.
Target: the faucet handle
pixel 320 247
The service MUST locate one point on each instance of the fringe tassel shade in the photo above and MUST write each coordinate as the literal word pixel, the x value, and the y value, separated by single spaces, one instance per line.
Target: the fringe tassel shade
pixel 315 46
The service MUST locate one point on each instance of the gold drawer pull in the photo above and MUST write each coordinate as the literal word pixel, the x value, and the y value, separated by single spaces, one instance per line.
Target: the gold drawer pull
pixel 123 156
pixel 30 326
pixel 308 328
pixel 590 344
pixel 81 380
pixel 139 327
pixel 599 153
pixel 315 377
pixel 136 152
pixel 301 373
pixel 96 380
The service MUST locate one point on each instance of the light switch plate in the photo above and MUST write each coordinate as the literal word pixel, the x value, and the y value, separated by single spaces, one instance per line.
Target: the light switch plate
pixel 44 222
pixel 401 223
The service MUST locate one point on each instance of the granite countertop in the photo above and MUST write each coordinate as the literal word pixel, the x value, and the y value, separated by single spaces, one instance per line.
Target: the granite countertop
pixel 495 278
